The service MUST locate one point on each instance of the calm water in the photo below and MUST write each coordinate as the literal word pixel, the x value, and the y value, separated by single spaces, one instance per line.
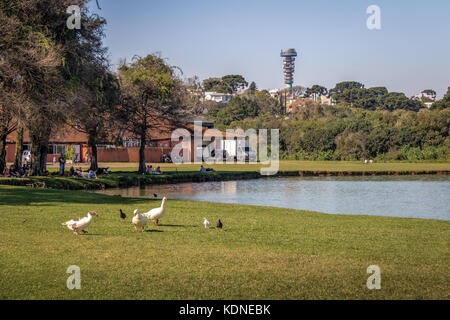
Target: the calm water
pixel 424 196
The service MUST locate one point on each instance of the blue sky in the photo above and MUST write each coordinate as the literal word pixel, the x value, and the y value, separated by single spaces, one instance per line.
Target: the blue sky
pixel 213 38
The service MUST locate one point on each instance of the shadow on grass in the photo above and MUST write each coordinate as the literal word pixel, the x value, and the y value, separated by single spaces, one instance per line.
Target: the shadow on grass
pixel 175 225
pixel 153 230
pixel 20 196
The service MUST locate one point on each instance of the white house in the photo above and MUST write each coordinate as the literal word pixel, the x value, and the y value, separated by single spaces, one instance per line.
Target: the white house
pixel 274 93
pixel 218 97
pixel 421 95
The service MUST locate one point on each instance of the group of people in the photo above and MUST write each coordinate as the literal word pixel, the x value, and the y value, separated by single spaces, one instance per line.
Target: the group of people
pixel 14 172
pixel 21 172
pixel 78 173
pixel 150 170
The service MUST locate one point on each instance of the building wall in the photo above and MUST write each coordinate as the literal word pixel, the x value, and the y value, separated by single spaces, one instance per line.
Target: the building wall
pixel 152 154
pixel 10 152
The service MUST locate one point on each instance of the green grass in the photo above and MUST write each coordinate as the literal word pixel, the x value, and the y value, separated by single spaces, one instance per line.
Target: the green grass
pixel 293 165
pixel 262 252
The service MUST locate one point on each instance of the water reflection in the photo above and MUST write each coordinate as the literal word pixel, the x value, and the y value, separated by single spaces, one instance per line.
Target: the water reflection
pixel 424 196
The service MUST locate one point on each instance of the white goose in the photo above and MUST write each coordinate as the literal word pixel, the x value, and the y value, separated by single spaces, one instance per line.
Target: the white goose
pixel 139 220
pixel 79 224
pixel 157 213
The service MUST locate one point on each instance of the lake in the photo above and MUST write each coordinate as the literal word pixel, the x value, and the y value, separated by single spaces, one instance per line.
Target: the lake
pixel 419 196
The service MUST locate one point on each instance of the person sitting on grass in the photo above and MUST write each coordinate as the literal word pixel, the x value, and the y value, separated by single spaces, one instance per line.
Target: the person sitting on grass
pixel 158 170
pixel 203 169
pixel 25 170
pixel 71 171
pixel 13 172
pixel 78 173
pixel 92 175
pixel 6 173
pixel 149 169
pixel 21 172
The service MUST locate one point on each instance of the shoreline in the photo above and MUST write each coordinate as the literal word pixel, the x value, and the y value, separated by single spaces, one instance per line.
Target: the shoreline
pixel 121 179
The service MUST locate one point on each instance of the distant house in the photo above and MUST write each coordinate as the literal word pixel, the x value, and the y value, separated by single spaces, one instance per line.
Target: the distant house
pixel 327 100
pixel 218 97
pixel 421 95
pixel 274 93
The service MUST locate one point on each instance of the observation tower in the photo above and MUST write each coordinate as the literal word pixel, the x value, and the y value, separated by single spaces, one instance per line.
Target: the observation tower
pixel 288 66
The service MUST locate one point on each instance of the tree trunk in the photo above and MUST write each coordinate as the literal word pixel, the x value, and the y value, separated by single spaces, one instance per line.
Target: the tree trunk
pixel 19 146
pixel 35 157
pixel 39 152
pixel 2 153
pixel 142 154
pixel 92 143
pixel 43 162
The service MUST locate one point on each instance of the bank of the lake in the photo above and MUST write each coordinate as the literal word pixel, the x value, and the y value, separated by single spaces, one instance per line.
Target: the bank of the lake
pixel 123 176
pixel 262 252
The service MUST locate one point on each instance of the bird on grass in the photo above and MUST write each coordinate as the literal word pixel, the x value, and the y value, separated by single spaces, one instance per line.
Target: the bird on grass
pixel 156 213
pixel 139 220
pixel 79 224
pixel 206 223
pixel 219 224
pixel 122 214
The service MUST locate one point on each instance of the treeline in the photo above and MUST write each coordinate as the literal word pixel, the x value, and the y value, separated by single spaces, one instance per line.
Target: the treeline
pixel 364 123
pixel 320 132
pixel 377 98
pixel 251 104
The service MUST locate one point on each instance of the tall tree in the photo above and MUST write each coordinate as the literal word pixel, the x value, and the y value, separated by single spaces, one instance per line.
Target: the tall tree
pixel 252 88
pixel 7 125
pixel 226 84
pixel 44 56
pixel 211 84
pixel 316 90
pixel 346 85
pixel 91 113
pixel 234 82
pixel 151 93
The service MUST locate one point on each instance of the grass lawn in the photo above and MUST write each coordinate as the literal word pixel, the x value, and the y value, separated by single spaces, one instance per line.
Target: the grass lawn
pixel 262 252
pixel 289 165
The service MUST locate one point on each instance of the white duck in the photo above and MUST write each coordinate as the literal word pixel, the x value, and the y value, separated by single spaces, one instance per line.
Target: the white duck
pixel 139 220
pixel 79 224
pixel 157 213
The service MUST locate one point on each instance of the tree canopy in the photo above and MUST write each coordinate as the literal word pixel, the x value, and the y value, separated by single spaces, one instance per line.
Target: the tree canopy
pixel 226 84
